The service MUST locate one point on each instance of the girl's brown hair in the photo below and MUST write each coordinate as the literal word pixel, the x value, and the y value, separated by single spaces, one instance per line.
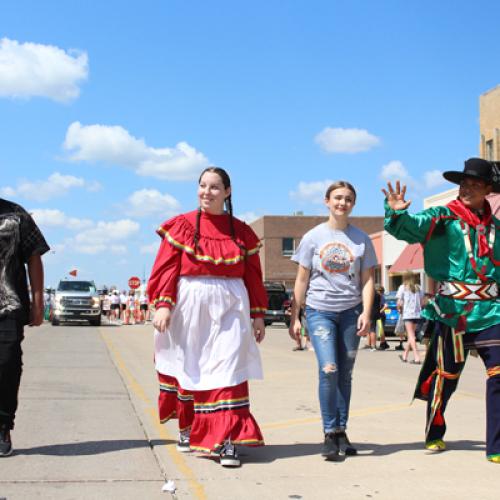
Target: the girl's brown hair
pixel 338 185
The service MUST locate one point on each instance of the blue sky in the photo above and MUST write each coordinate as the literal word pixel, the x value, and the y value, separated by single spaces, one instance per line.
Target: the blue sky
pixel 109 110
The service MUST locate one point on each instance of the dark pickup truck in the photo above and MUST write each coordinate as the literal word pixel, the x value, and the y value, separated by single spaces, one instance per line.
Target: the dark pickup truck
pixel 277 296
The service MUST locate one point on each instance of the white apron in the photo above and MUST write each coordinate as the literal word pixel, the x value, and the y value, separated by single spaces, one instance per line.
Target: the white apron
pixel 209 343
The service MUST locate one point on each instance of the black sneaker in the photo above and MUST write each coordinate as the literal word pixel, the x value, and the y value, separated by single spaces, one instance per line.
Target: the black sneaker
pixel 5 441
pixel 183 443
pixel 331 448
pixel 383 346
pixel 229 456
pixel 344 445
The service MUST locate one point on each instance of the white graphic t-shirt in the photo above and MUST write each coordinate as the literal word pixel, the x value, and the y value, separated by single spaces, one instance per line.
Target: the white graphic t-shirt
pixel 336 259
pixel 412 302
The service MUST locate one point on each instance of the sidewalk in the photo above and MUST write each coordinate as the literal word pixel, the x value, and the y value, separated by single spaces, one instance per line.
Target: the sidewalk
pixel 77 435
pixel 87 428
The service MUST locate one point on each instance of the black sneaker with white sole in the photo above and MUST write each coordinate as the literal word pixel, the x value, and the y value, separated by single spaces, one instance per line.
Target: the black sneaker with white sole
pixel 5 441
pixel 183 443
pixel 229 456
pixel 345 446
pixel 331 448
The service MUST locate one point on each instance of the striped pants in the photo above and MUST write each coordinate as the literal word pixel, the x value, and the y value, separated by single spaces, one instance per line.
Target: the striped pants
pixel 441 373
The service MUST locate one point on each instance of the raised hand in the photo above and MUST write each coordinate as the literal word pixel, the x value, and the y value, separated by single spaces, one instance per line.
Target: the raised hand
pixel 396 197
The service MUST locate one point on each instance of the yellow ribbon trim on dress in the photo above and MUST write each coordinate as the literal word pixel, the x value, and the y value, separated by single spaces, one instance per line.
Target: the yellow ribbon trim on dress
pixel 205 258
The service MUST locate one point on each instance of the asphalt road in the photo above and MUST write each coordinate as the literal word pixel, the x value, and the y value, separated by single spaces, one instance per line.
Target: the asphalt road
pixel 87 428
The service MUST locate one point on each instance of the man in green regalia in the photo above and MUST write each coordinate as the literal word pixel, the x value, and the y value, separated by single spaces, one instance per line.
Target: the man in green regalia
pixel 461 244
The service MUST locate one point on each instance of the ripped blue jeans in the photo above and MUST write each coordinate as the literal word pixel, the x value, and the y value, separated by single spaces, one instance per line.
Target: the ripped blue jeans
pixel 333 336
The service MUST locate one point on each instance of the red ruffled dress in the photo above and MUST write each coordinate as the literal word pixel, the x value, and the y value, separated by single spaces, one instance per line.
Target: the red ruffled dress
pixel 208 353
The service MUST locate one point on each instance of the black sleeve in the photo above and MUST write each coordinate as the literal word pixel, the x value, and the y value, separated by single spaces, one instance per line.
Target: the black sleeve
pixel 32 240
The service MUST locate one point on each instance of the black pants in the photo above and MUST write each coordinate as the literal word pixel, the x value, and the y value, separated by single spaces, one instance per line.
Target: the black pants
pixel 487 343
pixel 11 367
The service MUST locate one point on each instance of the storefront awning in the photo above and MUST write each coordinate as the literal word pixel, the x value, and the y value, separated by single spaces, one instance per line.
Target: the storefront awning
pixel 411 259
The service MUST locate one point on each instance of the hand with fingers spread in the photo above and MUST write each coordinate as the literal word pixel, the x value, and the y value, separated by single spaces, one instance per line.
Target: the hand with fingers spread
pixel 396 197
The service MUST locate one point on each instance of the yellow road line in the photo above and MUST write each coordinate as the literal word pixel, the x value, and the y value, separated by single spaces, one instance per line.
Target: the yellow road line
pixel 138 390
pixel 355 413
pixel 363 412
pixel 178 459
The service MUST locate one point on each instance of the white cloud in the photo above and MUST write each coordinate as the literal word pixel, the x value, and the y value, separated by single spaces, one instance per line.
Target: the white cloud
pixel 7 192
pixel 395 170
pixel 433 179
pixel 150 249
pixel 93 249
pixel 346 140
pixel 31 69
pixel 53 217
pixel 150 202
pixel 92 237
pixel 56 185
pixel 311 192
pixel 106 234
pixel 115 145
pixel 248 217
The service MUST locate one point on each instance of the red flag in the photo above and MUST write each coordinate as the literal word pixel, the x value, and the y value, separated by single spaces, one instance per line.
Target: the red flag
pixel 73 272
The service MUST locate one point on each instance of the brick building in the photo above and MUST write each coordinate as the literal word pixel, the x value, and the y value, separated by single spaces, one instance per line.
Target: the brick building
pixel 280 234
pixel 489 124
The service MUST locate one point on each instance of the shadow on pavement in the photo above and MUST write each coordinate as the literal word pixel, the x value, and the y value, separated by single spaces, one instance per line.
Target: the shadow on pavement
pixel 376 449
pixel 91 447
pixel 272 452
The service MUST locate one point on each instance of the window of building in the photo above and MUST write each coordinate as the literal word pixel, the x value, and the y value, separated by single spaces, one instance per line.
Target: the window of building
pixel 489 150
pixel 287 246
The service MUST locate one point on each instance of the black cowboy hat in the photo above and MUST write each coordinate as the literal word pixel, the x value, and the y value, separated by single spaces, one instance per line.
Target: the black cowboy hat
pixel 477 168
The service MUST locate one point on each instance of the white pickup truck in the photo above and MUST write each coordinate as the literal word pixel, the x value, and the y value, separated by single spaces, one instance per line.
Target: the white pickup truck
pixel 76 300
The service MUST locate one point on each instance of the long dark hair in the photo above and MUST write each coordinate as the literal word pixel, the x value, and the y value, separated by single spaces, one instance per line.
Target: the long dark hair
pixel 228 204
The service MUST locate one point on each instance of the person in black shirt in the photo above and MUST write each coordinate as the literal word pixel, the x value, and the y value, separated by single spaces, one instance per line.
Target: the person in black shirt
pixel 377 313
pixel 21 244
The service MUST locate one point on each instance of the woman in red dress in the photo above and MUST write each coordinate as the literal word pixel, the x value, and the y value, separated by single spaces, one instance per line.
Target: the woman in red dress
pixel 210 300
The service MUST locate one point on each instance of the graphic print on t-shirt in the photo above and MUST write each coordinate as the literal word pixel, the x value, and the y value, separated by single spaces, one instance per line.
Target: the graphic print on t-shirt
pixel 9 240
pixel 336 257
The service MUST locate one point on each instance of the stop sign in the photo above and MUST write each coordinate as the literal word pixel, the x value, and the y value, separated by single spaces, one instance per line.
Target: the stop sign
pixel 134 282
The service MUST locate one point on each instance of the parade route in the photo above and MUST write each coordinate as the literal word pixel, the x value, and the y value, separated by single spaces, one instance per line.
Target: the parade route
pixel 87 428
